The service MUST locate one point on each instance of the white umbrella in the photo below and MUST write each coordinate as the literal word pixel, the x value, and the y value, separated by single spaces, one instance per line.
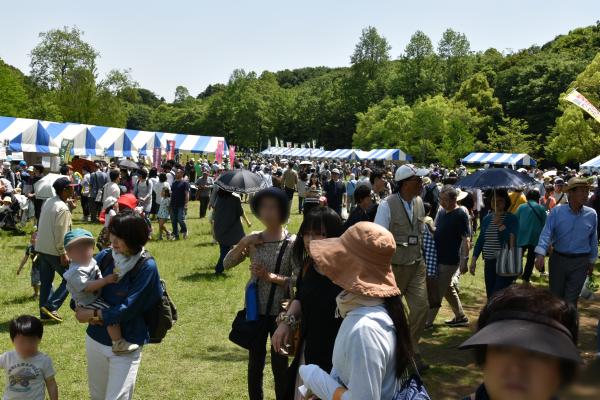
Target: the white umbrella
pixel 548 174
pixel 306 163
pixel 43 188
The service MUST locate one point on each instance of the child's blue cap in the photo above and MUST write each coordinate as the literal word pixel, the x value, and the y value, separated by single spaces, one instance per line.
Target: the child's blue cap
pixel 77 235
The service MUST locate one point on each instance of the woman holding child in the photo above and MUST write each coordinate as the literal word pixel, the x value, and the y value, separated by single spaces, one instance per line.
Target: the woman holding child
pixel 112 376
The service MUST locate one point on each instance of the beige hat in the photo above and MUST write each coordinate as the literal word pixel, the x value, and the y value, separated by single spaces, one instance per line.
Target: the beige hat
pixel 461 195
pixel 359 261
pixel 576 182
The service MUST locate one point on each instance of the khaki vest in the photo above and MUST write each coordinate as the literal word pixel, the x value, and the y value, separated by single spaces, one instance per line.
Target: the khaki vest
pixel 401 227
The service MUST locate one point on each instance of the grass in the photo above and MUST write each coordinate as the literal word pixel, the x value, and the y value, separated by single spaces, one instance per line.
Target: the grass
pixel 196 360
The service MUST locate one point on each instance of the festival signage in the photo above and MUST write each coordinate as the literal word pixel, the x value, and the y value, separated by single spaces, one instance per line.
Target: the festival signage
pixel 156 157
pixel 219 152
pixel 289 145
pixel 231 156
pixel 579 100
pixel 170 149
pixel 17 156
pixel 66 145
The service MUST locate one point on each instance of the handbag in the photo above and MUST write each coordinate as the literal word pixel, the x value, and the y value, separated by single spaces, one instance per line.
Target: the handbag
pixel 412 388
pixel 244 332
pixel 509 262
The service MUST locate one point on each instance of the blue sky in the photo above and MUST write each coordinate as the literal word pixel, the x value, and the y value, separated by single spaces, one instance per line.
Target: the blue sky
pixel 194 43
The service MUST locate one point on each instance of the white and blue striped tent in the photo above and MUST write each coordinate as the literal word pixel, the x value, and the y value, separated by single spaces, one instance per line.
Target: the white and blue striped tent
pixel 519 159
pixel 385 154
pixel 114 142
pixel 144 141
pixel 26 135
pixel 192 143
pixel 594 163
pixel 84 144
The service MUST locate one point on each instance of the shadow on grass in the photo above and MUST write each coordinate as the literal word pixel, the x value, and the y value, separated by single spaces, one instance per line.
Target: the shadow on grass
pixel 206 276
pixel 224 353
pixel 18 300
pixel 206 244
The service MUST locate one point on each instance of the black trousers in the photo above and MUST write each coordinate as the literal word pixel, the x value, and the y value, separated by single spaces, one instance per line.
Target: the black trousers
pixel 256 363
pixel 85 205
pixel 528 270
pixel 203 206
pixel 95 208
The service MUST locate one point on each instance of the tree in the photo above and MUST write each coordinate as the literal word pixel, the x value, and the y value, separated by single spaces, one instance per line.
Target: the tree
pixel 454 49
pixel 370 53
pixel 182 94
pixel 13 92
pixel 512 137
pixel 59 53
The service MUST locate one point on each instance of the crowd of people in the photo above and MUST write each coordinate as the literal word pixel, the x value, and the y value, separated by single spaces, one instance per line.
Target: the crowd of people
pixel 347 297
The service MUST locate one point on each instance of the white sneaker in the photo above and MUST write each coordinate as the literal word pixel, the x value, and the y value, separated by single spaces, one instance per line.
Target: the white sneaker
pixel 124 347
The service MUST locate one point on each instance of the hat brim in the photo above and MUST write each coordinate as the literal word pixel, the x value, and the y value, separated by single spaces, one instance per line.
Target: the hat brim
pixel 462 195
pixel 80 239
pixel 333 260
pixel 527 335
pixel 576 185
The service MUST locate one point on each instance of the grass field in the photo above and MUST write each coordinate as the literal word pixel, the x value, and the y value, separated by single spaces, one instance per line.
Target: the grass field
pixel 196 360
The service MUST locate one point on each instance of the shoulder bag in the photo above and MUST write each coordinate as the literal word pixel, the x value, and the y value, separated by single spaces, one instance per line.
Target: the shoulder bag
pixel 243 331
pixel 412 388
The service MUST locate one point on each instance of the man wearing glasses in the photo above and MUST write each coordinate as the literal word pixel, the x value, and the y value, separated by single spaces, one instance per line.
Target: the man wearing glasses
pixel 402 213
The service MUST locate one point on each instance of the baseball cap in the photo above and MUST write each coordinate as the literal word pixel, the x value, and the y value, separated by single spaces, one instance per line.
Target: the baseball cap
pixel 77 235
pixel 23 163
pixel 559 181
pixel 407 171
pixel 335 171
pixel 61 184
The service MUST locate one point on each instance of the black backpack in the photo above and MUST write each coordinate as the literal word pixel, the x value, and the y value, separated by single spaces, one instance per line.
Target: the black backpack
pixel 159 318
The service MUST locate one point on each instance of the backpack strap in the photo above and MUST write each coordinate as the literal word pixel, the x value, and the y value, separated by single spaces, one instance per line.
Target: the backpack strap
pixel 276 272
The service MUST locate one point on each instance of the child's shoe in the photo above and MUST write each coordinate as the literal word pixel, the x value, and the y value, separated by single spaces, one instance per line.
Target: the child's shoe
pixel 124 347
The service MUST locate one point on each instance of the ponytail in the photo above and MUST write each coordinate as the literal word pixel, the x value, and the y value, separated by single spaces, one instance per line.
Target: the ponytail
pixel 404 349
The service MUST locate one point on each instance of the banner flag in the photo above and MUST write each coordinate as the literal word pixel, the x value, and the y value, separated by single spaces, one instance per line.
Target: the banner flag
pixel 219 152
pixel 295 145
pixel 170 149
pixel 289 145
pixel 157 157
pixel 65 150
pixel 314 143
pixel 269 143
pixel 231 156
pixel 276 142
pixel 579 100
pixel 302 145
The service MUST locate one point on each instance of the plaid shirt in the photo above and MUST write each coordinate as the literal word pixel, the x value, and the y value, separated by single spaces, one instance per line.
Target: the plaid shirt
pixel 430 252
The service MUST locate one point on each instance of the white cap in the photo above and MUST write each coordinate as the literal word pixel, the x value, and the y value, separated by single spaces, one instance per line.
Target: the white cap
pixel 408 171
pixel 335 171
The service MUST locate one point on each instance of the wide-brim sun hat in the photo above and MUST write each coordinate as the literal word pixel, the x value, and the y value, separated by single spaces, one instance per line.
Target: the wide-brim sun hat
pixel 577 182
pixel 461 195
pixel 528 331
pixel 359 261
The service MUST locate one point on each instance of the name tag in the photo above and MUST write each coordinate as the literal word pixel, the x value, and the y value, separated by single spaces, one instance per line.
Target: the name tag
pixel 413 240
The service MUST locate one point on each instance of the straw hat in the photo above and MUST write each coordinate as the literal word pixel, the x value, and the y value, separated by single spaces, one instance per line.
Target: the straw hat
pixel 359 261
pixel 576 182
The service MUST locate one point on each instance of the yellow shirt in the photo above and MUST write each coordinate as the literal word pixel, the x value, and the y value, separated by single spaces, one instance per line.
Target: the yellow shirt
pixel 516 199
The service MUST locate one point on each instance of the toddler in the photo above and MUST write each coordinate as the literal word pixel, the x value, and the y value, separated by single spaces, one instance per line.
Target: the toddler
pixel 35 271
pixel 84 281
pixel 30 372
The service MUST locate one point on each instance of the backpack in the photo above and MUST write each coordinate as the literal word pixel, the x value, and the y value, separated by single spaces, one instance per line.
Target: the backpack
pixel 429 196
pixel 159 318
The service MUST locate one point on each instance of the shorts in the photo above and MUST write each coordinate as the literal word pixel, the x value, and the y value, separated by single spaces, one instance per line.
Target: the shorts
pixel 35 274
pixel 98 304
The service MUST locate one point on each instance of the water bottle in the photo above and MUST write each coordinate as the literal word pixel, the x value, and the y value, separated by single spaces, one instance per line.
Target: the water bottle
pixel 252 302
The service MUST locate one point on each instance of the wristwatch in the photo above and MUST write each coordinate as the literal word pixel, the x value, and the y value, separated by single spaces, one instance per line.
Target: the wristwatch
pixel 96 317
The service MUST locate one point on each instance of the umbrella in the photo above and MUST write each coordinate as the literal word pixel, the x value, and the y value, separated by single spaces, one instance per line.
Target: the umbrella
pixel 241 181
pixel 548 174
pixel 496 178
pixel 43 188
pixel 79 163
pixel 306 163
pixel 128 164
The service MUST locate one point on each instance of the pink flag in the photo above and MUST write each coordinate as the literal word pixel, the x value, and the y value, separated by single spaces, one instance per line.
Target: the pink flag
pixel 219 152
pixel 157 156
pixel 170 149
pixel 231 156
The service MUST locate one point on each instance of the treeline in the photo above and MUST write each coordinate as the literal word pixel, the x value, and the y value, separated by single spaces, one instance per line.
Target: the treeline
pixel 436 102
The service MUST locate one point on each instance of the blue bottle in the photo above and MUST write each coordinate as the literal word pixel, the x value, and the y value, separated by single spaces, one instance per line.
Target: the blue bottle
pixel 252 302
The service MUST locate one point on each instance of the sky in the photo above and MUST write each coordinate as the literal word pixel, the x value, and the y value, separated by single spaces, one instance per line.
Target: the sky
pixel 196 43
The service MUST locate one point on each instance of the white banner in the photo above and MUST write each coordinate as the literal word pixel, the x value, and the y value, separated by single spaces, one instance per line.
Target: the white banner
pixel 579 100
pixel 2 153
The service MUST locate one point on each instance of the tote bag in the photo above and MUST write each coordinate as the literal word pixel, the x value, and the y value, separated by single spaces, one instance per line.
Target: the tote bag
pixel 509 262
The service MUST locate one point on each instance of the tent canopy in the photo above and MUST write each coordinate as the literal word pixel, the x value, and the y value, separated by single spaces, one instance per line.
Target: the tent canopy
pixel 520 159
pixel 113 141
pixel 593 163
pixel 193 143
pixel 84 143
pixel 26 135
pixel 386 154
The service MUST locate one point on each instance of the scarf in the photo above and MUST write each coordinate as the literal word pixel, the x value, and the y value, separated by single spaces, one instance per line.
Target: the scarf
pixel 124 263
pixel 347 302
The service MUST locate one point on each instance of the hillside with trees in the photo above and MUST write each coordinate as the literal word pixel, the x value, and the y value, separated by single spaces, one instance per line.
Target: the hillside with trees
pixel 436 101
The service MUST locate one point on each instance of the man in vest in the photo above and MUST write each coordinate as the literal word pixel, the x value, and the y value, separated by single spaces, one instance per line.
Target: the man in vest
pixel 402 213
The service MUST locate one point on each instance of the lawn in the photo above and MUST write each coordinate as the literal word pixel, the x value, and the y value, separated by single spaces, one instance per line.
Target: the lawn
pixel 196 360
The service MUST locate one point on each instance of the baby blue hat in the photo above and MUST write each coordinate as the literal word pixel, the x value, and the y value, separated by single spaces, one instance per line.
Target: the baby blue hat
pixel 76 235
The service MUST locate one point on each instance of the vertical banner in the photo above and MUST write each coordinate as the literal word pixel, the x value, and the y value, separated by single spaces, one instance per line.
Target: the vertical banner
pixel 314 143
pixel 65 150
pixel 170 149
pixel 231 156
pixel 276 142
pixel 295 145
pixel 269 143
pixel 302 145
pixel 289 145
pixel 219 152
pixel 579 100
pixel 2 153
pixel 156 157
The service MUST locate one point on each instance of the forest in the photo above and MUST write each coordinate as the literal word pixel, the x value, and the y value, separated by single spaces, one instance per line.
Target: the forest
pixel 436 101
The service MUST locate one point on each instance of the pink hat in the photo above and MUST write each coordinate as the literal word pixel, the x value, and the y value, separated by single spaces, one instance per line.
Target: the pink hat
pixel 359 261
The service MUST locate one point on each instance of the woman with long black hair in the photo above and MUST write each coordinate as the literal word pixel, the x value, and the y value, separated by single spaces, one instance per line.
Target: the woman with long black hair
pixel 373 348
pixel 314 304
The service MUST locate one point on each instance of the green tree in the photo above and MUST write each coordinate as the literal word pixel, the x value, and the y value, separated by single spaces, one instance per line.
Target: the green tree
pixel 182 95
pixel 60 53
pixel 370 53
pixel 512 137
pixel 454 50
pixel 13 92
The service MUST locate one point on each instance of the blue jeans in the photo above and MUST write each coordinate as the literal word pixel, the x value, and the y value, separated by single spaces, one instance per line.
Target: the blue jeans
pixel 49 298
pixel 493 282
pixel 224 249
pixel 178 218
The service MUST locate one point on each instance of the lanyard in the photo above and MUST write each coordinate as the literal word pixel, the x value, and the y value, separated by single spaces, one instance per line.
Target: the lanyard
pixel 406 212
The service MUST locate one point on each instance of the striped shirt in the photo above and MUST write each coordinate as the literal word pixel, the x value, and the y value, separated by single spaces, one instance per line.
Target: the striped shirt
pixel 491 244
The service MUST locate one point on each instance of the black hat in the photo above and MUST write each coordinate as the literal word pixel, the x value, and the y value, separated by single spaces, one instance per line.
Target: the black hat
pixel 61 184
pixel 528 331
